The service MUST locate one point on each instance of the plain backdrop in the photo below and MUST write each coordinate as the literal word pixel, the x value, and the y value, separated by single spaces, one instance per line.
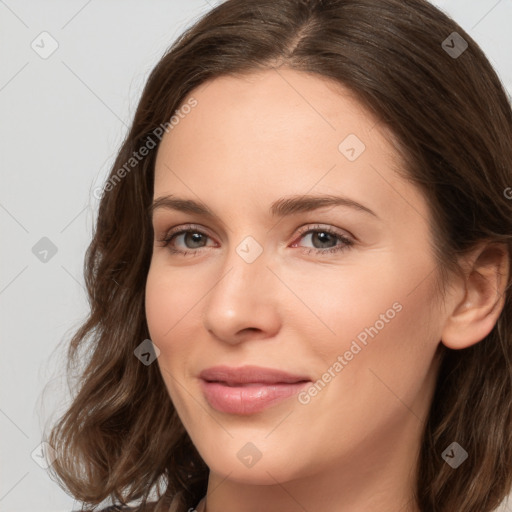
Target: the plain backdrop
pixel 71 74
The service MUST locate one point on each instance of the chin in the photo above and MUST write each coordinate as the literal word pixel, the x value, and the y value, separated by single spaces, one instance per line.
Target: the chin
pixel 260 474
pixel 235 463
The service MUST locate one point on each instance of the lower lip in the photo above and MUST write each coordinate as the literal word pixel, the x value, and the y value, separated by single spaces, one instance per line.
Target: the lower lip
pixel 249 398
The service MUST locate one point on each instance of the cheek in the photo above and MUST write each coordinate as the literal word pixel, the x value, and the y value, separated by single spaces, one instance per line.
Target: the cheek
pixel 333 305
pixel 383 325
pixel 387 349
pixel 382 385
pixel 166 312
pixel 157 306
pixel 168 301
pixel 173 312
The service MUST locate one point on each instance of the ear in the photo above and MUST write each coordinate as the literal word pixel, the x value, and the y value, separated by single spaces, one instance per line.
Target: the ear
pixel 482 289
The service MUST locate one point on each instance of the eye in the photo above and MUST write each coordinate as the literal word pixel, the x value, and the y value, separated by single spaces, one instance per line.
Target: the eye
pixel 321 236
pixel 188 233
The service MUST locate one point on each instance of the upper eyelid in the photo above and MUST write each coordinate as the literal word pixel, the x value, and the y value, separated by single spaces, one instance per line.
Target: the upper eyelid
pixel 301 231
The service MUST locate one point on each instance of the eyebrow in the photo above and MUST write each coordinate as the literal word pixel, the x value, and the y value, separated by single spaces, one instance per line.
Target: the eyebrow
pixel 282 207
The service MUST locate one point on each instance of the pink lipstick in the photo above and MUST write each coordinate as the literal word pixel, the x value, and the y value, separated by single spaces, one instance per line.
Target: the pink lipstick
pixel 248 389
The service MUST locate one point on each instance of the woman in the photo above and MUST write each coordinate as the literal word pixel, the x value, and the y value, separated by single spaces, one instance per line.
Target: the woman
pixel 300 275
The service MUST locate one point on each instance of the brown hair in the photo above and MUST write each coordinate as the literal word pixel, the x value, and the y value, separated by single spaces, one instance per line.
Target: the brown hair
pixel 121 436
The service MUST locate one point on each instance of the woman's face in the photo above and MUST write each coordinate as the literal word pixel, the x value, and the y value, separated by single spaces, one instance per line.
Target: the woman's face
pixel 340 296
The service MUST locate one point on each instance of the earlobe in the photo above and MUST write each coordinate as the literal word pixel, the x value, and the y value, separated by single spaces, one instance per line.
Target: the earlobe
pixel 486 274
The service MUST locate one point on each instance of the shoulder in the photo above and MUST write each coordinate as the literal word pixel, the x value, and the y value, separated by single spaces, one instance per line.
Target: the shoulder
pixel 113 508
pixel 121 508
pixel 117 508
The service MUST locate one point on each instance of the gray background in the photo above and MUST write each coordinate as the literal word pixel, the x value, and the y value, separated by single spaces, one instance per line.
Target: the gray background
pixel 62 120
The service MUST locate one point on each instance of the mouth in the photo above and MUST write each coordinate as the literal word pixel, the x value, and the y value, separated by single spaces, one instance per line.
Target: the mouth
pixel 247 398
pixel 250 384
pixel 248 390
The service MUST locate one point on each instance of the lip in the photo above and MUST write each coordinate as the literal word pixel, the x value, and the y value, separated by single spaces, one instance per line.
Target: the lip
pixel 250 374
pixel 248 389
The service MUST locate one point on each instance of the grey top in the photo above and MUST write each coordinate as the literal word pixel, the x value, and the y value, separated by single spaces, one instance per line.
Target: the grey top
pixel 118 508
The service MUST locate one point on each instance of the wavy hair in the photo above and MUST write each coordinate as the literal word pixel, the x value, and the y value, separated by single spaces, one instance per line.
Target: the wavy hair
pixel 121 438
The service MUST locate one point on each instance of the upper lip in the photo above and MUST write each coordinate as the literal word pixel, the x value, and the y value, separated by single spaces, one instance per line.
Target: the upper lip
pixel 249 374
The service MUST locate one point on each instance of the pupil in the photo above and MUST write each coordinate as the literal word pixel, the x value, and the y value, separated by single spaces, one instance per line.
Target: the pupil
pixel 196 237
pixel 322 235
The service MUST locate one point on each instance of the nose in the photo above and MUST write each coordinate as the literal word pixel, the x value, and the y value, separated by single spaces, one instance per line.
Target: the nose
pixel 244 301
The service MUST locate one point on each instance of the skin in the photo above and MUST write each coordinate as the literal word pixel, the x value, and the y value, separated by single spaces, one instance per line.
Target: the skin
pixel 353 447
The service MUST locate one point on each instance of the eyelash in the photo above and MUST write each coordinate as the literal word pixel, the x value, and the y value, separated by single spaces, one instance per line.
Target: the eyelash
pixel 347 242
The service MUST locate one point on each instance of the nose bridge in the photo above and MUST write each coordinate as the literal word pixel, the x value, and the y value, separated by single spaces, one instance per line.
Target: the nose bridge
pixel 245 269
pixel 243 296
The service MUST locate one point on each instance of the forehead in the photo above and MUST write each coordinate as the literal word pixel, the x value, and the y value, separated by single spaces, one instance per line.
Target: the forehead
pixel 277 105
pixel 280 132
